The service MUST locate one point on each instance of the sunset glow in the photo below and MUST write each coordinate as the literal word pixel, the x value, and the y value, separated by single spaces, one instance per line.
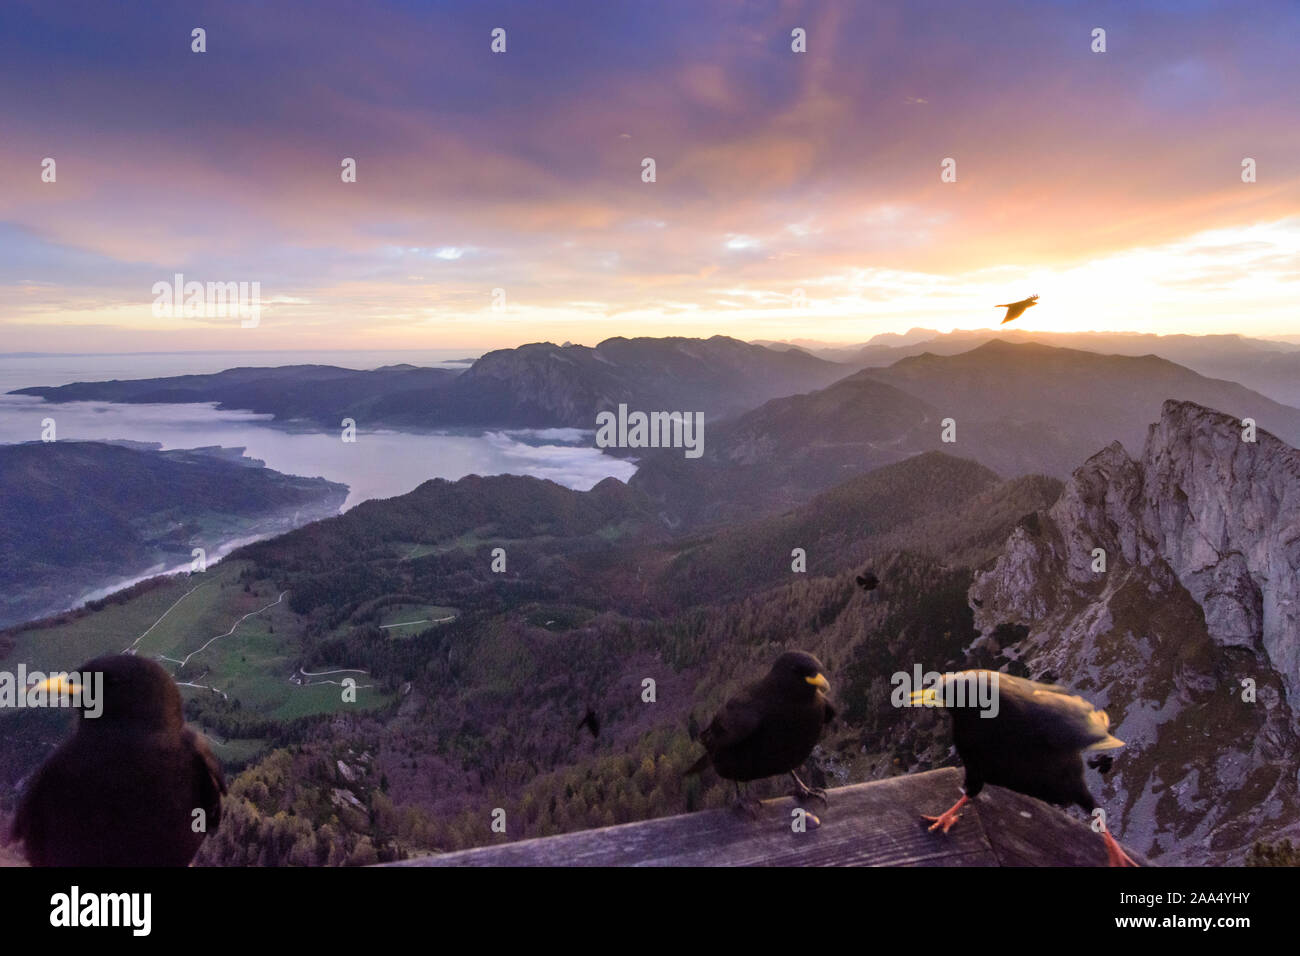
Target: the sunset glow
pixel 1110 184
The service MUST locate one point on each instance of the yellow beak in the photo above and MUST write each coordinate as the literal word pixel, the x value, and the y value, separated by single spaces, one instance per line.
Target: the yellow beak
pixel 54 686
pixel 927 697
pixel 819 681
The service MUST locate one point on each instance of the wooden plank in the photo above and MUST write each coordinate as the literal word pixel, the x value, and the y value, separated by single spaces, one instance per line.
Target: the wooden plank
pixel 869 824
pixel 1022 830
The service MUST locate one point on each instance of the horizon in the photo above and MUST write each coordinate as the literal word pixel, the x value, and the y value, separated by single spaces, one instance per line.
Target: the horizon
pixel 802 343
pixel 797 194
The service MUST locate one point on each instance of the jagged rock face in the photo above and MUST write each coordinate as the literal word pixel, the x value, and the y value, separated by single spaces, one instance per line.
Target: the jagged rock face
pixel 1200 593
pixel 1226 515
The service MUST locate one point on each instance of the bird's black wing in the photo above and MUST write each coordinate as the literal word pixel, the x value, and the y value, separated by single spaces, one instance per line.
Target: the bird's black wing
pixel 1024 687
pixel 211 782
pixel 1077 722
pixel 1058 717
pixel 739 718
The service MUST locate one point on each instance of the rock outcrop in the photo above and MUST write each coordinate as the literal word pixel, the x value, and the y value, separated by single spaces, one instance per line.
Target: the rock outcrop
pixel 1167 589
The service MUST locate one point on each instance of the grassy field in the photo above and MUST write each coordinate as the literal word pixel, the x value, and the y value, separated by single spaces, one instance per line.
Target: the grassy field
pixel 236 751
pixel 216 634
pixel 113 629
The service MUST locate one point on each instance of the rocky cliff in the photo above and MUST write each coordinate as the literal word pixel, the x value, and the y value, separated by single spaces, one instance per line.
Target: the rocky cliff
pixel 1167 589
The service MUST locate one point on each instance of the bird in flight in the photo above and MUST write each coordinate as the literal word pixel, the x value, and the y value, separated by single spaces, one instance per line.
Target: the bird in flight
pixel 591 721
pixel 770 727
pixel 1016 309
pixel 1032 743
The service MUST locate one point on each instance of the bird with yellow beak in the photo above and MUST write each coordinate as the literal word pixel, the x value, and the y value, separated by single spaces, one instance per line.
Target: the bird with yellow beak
pixel 1029 738
pixel 133 786
pixel 771 726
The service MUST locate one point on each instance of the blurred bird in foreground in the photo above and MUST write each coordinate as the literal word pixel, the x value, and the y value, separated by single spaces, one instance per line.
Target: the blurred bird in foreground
pixel 127 788
pixel 1033 743
pixel 770 727
pixel 1016 309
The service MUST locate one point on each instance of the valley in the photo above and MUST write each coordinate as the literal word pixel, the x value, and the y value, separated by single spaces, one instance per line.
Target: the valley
pixel 377 681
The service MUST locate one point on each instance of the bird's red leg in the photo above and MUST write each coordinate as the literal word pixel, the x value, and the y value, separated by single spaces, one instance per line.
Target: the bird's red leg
pixel 949 816
pixel 1115 855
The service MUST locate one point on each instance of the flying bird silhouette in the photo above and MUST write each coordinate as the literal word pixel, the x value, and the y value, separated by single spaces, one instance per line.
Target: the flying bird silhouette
pixel 1033 744
pixel 128 786
pixel 770 727
pixel 591 721
pixel 1016 309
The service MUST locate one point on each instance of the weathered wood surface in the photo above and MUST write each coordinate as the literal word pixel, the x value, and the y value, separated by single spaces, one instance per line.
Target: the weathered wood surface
pixel 869 824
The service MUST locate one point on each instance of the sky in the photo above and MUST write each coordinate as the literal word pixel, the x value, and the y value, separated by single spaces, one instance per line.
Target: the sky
pixel 796 194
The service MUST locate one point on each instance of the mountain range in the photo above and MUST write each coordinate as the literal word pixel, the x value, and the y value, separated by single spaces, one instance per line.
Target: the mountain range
pixel 1270 366
pixel 1016 408
pixel 534 386
pixel 485 616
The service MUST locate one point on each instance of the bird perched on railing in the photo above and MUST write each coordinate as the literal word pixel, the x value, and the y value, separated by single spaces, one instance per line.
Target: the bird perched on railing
pixel 1025 736
pixel 131 786
pixel 1016 309
pixel 770 727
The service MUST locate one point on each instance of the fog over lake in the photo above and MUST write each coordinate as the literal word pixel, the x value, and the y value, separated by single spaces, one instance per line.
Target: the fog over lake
pixel 380 464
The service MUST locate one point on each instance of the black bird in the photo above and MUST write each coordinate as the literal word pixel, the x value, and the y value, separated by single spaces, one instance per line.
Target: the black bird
pixel 1101 763
pixel 123 790
pixel 591 722
pixel 1033 744
pixel 1016 309
pixel 867 580
pixel 771 726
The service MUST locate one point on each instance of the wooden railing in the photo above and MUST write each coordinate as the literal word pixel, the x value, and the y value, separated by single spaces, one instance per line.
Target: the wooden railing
pixel 868 824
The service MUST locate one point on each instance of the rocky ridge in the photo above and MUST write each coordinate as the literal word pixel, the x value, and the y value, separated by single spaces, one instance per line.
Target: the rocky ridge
pixel 1189 636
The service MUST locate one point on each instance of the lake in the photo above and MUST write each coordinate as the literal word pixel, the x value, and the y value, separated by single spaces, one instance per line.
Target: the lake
pixel 379 464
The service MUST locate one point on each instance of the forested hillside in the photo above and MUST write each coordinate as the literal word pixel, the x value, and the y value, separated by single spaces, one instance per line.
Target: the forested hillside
pixel 479 709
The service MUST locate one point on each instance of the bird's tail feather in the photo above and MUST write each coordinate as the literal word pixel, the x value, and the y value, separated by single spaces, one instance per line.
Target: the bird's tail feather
pixel 1099 720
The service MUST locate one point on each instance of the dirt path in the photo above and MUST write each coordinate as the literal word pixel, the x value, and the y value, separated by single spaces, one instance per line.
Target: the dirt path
pixel 232 628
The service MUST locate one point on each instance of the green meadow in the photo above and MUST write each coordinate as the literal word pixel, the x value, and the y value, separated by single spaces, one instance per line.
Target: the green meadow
pixel 216 634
